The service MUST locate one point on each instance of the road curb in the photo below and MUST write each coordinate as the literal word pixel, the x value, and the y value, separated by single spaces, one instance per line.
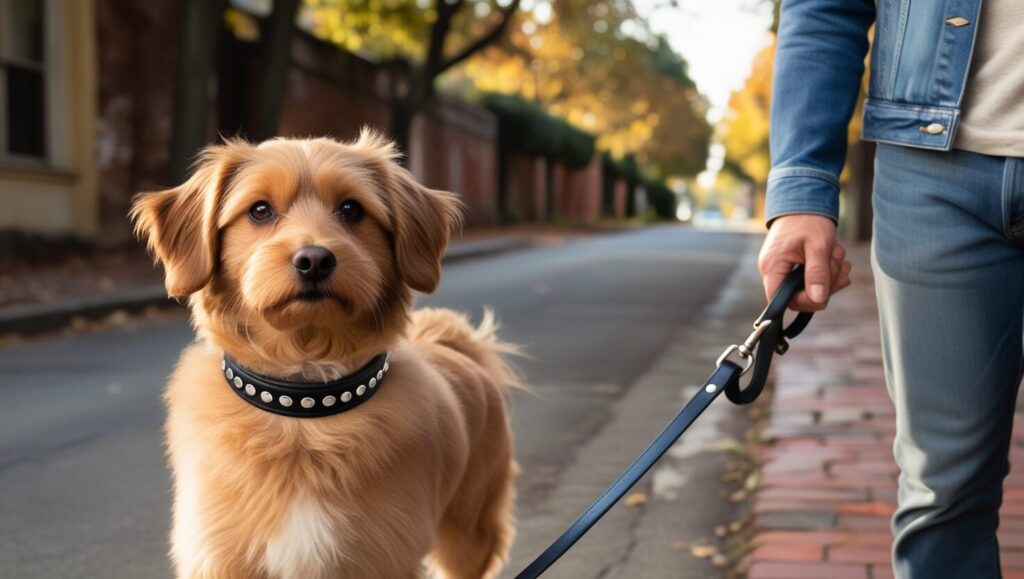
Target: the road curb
pixel 48 316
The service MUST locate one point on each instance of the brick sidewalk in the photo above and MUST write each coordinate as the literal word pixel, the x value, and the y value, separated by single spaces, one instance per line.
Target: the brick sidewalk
pixel 828 480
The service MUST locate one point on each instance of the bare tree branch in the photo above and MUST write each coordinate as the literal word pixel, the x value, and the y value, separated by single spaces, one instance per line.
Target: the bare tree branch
pixel 491 36
pixel 439 33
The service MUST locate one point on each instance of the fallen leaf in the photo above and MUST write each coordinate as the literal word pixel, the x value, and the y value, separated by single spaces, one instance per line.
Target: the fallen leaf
pixel 732 476
pixel 728 444
pixel 703 551
pixel 636 500
pixel 750 485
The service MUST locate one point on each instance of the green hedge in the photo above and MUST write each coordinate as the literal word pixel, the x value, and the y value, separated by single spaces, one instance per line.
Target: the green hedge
pixel 524 126
pixel 624 168
pixel 660 197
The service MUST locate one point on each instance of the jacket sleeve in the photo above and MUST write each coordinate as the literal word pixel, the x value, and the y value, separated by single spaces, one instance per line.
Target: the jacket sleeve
pixel 819 62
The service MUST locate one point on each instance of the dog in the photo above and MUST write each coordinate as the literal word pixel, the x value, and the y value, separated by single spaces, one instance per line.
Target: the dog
pixel 298 259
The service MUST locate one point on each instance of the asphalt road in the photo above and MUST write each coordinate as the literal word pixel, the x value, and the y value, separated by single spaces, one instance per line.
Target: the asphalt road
pixel 84 490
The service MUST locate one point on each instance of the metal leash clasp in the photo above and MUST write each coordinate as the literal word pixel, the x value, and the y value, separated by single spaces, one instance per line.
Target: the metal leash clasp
pixel 745 351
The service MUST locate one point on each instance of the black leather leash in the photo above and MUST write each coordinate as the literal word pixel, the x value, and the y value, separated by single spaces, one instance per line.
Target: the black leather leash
pixel 769 337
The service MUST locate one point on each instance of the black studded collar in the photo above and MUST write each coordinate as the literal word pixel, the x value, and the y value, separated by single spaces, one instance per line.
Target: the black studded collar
pixel 306 399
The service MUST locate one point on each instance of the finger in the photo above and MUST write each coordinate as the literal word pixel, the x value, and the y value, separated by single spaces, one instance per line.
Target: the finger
pixel 818 273
pixel 843 281
pixel 774 273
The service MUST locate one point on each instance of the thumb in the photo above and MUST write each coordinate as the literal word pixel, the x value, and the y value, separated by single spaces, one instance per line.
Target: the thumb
pixel 817 274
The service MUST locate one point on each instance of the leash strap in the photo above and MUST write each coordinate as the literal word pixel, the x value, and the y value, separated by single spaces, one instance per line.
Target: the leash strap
pixel 769 337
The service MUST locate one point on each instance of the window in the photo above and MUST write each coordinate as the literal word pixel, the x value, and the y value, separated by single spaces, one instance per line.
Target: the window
pixel 22 79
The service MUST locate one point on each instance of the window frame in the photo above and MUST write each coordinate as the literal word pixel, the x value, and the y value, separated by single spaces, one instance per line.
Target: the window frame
pixel 47 67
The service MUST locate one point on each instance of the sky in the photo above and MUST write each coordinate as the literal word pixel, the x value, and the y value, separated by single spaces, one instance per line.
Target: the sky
pixel 718 38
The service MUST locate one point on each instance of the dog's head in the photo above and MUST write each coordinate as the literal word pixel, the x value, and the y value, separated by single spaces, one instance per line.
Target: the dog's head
pixel 311 240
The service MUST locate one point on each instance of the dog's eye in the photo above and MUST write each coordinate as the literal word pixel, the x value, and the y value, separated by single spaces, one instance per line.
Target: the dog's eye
pixel 350 211
pixel 261 211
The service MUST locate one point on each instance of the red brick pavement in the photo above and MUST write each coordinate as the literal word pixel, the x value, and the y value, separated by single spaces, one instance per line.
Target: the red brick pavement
pixel 828 481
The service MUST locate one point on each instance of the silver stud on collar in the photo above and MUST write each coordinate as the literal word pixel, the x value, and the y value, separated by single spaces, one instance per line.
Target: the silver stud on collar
pixel 285 401
pixel 230 373
pixel 223 364
pixel 380 375
pixel 373 382
pixel 238 382
pixel 266 397
pixel 362 389
pixel 250 389
pixel 329 401
pixel 346 396
pixel 307 402
pixel 387 366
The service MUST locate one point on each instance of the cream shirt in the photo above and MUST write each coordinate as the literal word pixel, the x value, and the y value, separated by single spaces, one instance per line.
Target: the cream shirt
pixel 993 105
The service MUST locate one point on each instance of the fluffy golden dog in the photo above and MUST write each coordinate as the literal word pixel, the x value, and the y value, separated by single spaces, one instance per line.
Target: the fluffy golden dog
pixel 420 475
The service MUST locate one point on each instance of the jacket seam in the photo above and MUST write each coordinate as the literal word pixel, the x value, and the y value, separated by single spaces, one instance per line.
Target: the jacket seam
pixel 868 137
pixel 908 106
pixel 897 52
pixel 814 173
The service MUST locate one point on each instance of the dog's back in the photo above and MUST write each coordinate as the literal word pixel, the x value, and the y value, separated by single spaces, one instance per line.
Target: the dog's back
pixel 478 528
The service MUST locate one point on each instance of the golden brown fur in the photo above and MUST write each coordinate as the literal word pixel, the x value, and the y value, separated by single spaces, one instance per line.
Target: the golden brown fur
pixel 423 469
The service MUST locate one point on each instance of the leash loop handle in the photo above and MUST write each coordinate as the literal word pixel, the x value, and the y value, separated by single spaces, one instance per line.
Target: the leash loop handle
pixel 770 336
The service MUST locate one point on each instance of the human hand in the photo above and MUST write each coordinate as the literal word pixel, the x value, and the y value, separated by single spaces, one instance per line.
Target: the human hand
pixel 807 239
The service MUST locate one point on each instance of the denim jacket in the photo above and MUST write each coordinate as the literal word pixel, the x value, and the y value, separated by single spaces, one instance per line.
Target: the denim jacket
pixel 919 64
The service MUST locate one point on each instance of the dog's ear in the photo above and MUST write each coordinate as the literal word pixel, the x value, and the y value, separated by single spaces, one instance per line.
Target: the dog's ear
pixel 422 221
pixel 179 225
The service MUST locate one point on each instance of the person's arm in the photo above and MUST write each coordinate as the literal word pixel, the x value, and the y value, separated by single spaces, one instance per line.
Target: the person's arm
pixel 819 61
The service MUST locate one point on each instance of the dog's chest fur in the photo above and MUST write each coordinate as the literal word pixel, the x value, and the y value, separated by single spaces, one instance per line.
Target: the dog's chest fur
pixel 285 498
pixel 306 540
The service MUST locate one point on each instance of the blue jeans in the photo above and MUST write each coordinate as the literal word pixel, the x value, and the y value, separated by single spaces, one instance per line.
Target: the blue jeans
pixel 948 259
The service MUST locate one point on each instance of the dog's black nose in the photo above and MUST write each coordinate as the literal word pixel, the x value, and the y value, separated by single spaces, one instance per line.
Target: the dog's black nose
pixel 314 262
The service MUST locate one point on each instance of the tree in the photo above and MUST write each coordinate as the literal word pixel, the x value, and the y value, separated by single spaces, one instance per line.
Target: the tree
pixel 199 33
pixel 417 55
pixel 202 25
pixel 745 126
pixel 277 51
pixel 596 64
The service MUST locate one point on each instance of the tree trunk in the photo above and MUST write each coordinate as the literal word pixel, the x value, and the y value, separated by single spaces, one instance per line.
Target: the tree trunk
pixel 277 55
pixel 505 214
pixel 421 81
pixel 201 23
pixel 402 114
pixel 549 190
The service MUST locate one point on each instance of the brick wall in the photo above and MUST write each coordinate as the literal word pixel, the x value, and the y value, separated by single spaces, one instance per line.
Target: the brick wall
pixel 331 93
pixel 580 192
pixel 328 92
pixel 525 187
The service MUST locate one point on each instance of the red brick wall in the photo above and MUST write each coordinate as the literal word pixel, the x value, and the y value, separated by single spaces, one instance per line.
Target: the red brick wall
pixel 329 93
pixel 525 187
pixel 620 197
pixel 580 192
pixel 452 147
